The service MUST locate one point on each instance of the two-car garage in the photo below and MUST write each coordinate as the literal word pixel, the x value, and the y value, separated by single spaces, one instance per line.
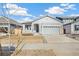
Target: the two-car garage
pixel 50 30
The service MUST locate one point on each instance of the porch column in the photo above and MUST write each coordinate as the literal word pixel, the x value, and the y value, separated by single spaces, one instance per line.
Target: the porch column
pixel 23 28
pixel 40 28
pixel 32 28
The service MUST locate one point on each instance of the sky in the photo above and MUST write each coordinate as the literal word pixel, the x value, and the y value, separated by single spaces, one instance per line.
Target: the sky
pixel 22 12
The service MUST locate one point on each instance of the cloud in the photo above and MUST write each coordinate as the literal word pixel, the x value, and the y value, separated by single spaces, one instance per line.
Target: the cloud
pixel 64 4
pixel 61 9
pixel 74 15
pixel 19 12
pixel 14 9
pixel 55 10
pixel 41 15
pixel 11 6
pixel 68 6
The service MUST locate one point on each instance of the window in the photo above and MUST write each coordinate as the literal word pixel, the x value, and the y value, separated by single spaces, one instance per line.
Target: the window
pixel 76 27
pixel 28 27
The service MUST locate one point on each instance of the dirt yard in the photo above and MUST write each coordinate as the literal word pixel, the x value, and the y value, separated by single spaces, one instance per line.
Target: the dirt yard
pixel 28 39
pixel 37 52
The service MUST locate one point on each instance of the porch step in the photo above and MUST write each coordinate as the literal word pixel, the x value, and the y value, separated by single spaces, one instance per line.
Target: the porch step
pixel 27 34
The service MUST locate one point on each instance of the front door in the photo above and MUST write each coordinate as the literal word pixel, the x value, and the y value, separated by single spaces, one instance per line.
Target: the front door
pixel 36 26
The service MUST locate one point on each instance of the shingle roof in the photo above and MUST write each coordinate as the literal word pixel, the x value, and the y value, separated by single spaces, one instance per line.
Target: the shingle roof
pixel 67 17
pixel 47 15
pixel 71 22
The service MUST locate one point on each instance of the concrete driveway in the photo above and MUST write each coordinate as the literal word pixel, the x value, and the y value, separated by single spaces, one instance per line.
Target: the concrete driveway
pixel 63 45
pixel 60 45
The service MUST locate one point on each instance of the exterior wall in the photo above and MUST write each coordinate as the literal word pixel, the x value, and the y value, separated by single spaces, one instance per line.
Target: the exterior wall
pixel 67 29
pixel 73 28
pixel 77 19
pixel 12 28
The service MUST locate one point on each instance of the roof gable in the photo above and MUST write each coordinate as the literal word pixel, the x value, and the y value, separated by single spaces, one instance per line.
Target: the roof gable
pixel 47 18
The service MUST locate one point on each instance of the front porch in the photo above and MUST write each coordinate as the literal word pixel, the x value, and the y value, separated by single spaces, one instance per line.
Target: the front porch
pixel 32 29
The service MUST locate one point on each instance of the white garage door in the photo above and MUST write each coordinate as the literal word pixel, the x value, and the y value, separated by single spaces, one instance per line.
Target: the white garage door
pixel 50 30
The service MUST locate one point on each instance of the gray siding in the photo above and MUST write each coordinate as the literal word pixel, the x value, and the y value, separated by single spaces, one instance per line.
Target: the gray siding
pixel 67 29
pixel 73 28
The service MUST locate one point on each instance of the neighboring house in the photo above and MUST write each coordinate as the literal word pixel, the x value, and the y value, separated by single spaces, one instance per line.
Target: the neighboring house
pixel 44 25
pixel 72 28
pixel 7 24
pixel 67 19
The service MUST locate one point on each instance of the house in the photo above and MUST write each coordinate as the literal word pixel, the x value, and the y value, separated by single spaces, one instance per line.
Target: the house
pixel 66 19
pixel 43 25
pixel 72 28
pixel 7 25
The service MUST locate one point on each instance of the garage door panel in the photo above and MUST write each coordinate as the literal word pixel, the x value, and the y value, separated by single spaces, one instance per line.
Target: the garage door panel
pixel 50 30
